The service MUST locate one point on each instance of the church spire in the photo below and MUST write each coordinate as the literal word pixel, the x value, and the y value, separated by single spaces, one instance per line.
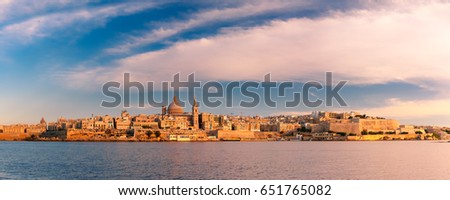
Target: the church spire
pixel 43 121
pixel 175 100
pixel 195 102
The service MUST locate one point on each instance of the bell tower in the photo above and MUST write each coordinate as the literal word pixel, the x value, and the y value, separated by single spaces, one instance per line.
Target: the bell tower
pixel 195 114
pixel 163 110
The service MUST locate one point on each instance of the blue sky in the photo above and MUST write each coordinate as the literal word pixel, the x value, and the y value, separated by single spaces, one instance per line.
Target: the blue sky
pixel 56 54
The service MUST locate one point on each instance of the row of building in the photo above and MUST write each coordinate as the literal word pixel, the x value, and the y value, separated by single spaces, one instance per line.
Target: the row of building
pixel 174 119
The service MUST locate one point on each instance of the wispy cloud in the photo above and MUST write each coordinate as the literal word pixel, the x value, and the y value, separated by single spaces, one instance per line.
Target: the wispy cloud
pixel 202 18
pixel 13 9
pixel 46 25
pixel 365 47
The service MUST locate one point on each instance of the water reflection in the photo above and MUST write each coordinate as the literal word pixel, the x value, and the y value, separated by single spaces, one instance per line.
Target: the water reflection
pixel 221 160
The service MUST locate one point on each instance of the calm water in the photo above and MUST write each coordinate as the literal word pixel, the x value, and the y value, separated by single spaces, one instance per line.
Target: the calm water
pixel 222 160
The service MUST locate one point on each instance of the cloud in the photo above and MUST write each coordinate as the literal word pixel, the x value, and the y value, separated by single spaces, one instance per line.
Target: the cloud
pixel 10 10
pixel 247 9
pixel 45 25
pixel 362 46
pixel 398 109
pixel 4 4
pixel 199 19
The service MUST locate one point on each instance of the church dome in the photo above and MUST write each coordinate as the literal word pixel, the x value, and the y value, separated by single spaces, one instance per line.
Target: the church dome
pixel 174 108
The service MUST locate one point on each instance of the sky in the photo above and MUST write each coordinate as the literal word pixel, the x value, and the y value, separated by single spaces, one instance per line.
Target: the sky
pixel 55 55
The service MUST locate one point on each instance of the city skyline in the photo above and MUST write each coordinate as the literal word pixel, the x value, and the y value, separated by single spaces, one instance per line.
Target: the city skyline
pixel 57 54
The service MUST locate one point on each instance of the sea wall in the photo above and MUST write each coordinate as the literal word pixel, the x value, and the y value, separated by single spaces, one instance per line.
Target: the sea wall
pixel 15 136
pixel 244 135
pixel 384 137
